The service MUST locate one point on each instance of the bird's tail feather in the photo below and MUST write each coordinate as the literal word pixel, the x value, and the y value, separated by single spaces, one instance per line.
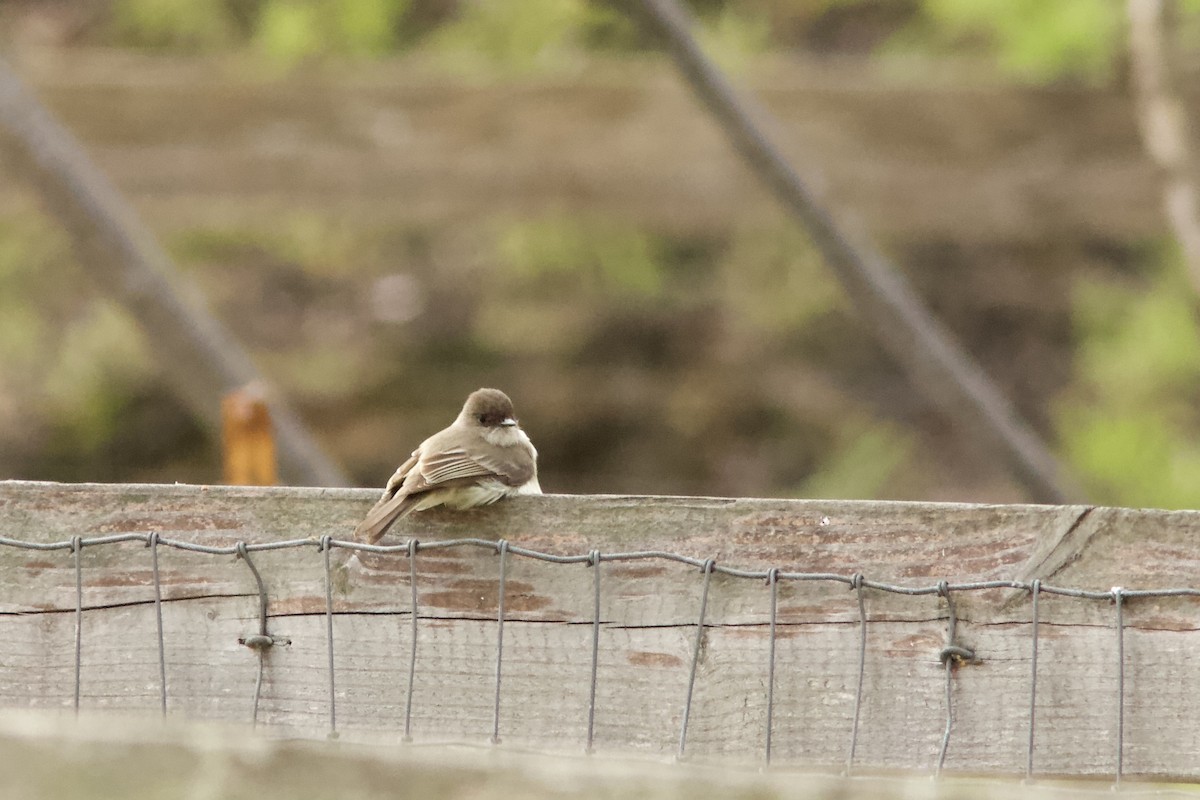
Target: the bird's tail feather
pixel 381 517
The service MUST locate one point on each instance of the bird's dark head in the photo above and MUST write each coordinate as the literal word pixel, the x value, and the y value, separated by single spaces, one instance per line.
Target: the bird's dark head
pixel 490 408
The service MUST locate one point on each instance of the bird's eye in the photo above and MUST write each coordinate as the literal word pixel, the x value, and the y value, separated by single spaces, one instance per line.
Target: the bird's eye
pixel 482 419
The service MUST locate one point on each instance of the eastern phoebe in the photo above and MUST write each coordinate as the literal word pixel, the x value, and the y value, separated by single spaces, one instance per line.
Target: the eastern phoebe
pixel 482 457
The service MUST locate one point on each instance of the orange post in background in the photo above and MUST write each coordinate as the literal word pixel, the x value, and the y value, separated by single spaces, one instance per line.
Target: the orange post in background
pixel 247 439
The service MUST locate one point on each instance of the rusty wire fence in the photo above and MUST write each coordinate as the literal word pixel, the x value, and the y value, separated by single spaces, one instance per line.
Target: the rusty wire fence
pixel 951 655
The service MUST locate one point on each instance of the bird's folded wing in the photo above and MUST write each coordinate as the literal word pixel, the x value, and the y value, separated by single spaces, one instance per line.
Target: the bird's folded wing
pixel 397 479
pixel 425 472
pixel 457 464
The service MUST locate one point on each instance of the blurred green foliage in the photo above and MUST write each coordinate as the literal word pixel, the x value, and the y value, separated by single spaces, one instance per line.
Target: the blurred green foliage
pixel 775 280
pixel 286 31
pixel 289 31
pixel 176 24
pixel 556 276
pixel 1033 40
pixel 518 35
pixel 28 251
pixel 733 36
pixel 301 270
pixel 305 240
pixel 367 27
pixel 70 367
pixel 564 288
pixel 591 256
pixel 523 35
pixel 863 462
pixel 1129 423
pixel 90 384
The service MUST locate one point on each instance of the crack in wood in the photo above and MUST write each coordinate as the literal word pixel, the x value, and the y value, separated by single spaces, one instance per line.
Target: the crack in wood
pixel 126 604
pixel 613 625
pixel 848 623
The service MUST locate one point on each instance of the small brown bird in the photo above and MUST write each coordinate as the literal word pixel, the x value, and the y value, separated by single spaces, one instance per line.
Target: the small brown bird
pixel 482 457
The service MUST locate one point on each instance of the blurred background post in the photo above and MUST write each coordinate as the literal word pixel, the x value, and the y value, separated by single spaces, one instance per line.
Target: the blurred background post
pixel 247 439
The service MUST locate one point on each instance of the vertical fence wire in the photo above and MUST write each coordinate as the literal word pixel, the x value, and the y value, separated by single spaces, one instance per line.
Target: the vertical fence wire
pixel 1035 591
pixel 325 548
pixel 696 645
pixel 261 642
pixel 856 584
pixel 412 650
pixel 76 548
pixel 594 563
pixel 773 581
pixel 1118 600
pixel 502 550
pixel 950 656
pixel 152 543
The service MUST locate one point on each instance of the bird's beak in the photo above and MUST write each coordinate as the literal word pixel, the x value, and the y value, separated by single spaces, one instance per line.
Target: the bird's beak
pixel 508 422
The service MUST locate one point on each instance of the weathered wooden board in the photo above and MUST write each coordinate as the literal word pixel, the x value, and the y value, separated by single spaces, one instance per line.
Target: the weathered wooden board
pixel 102 757
pixel 649 611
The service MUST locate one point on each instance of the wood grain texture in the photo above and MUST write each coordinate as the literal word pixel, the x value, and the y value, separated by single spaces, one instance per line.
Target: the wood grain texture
pixel 100 757
pixel 649 610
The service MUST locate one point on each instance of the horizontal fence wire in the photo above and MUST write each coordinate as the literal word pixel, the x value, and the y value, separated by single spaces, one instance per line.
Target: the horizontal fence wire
pixel 951 655
pixel 405 549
